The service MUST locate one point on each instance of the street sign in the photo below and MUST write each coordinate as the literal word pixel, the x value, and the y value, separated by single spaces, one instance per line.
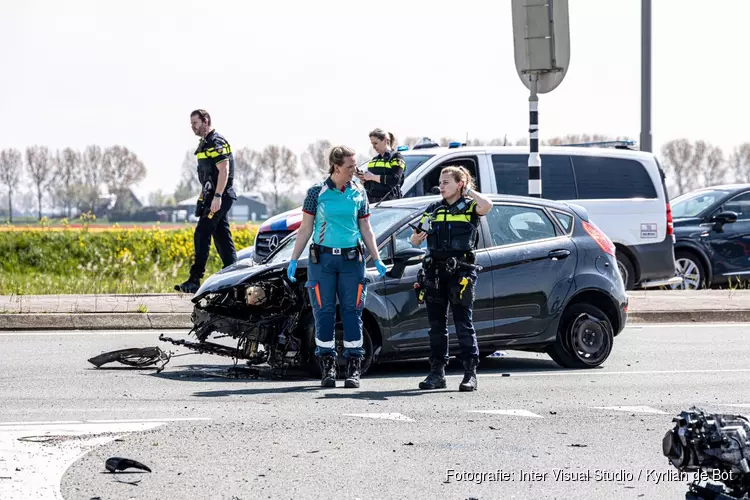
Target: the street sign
pixel 541 42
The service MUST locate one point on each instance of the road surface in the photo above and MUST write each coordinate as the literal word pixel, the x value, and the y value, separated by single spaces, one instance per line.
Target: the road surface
pixel 532 430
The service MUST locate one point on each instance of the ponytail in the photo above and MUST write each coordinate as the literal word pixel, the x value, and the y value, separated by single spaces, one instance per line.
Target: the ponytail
pixel 381 134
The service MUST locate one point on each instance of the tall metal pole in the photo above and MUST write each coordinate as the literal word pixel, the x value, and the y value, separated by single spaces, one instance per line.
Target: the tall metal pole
pixel 645 142
pixel 535 161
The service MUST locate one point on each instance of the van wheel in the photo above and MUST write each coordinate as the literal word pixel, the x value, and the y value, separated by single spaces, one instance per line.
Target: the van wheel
pixel 688 266
pixel 627 271
pixel 585 338
pixel 311 363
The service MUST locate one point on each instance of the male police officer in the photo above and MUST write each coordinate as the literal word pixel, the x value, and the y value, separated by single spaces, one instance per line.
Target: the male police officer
pixel 216 175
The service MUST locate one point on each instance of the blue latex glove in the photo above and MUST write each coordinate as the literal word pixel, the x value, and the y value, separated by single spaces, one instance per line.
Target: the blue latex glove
pixel 381 267
pixel 292 269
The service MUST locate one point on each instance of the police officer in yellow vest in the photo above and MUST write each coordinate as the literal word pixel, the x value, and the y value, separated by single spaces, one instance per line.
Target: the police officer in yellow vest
pixel 385 172
pixel 216 175
pixel 448 275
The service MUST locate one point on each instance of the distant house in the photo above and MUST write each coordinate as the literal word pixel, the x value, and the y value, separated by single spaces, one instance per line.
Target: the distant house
pixel 248 207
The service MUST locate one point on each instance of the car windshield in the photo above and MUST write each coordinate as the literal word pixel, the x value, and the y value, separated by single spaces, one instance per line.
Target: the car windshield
pixel 381 219
pixel 692 204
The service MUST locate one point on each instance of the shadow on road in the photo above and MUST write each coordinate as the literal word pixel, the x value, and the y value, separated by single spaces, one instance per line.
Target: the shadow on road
pixel 296 380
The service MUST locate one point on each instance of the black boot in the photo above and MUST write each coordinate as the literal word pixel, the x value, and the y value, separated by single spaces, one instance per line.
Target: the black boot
pixel 469 383
pixel 190 286
pixel 436 378
pixel 328 369
pixel 353 372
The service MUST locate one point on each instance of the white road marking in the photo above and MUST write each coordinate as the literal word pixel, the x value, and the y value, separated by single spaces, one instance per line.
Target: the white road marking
pixel 637 409
pixel 706 325
pixel 177 331
pixel 387 416
pixel 593 373
pixel 517 413
pixel 60 333
pixel 737 405
pixel 35 455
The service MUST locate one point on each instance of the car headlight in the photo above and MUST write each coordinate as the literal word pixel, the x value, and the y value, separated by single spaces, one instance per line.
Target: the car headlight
pixel 255 295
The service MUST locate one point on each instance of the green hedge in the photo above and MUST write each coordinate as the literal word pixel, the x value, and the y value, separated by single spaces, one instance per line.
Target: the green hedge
pixel 102 260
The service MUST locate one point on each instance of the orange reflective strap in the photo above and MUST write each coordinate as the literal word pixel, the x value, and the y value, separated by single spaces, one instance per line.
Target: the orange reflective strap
pixel 317 294
pixel 359 294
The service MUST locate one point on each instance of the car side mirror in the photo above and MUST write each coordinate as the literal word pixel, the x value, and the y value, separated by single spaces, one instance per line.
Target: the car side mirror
pixel 722 218
pixel 435 190
pixel 404 258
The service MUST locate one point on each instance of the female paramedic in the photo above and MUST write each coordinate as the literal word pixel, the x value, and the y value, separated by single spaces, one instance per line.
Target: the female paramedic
pixel 385 172
pixel 335 213
pixel 448 275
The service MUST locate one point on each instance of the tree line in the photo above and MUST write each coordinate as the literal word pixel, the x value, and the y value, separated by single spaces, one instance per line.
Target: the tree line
pixel 71 180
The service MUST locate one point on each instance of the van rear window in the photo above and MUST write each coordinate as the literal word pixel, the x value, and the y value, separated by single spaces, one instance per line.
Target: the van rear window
pixel 579 177
pixel 612 178
pixel 512 176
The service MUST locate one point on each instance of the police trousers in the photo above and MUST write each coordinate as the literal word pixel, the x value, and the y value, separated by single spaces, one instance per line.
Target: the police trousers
pixel 218 228
pixel 454 289
pixel 334 276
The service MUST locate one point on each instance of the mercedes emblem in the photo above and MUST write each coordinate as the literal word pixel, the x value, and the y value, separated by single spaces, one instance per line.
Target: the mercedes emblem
pixel 273 242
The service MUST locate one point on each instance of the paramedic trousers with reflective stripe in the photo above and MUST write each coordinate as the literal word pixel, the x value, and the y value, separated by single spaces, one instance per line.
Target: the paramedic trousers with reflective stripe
pixel 335 277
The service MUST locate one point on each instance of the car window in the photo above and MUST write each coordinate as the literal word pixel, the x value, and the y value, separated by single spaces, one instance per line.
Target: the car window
pixel 566 220
pixel 432 179
pixel 693 204
pixel 611 178
pixel 739 204
pixel 512 176
pixel 401 240
pixel 511 224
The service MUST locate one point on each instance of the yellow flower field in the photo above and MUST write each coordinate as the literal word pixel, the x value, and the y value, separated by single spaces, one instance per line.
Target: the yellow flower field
pixel 88 258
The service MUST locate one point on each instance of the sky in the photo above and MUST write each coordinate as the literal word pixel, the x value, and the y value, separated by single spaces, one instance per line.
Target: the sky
pixel 83 72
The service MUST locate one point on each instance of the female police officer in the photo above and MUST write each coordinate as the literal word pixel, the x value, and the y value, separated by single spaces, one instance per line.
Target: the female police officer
pixel 336 214
pixel 448 275
pixel 385 172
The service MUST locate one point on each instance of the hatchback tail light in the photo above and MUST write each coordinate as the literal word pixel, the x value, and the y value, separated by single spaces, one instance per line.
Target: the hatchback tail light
pixel 601 239
pixel 670 222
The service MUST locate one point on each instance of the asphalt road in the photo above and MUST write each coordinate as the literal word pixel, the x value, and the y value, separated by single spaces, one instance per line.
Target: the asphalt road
pixel 541 432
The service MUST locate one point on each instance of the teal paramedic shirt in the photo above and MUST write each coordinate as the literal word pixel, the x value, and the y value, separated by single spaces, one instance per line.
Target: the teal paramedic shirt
pixel 337 213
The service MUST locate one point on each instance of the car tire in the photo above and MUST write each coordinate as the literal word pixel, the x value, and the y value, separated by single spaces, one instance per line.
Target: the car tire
pixel 687 263
pixel 584 338
pixel 627 271
pixel 311 363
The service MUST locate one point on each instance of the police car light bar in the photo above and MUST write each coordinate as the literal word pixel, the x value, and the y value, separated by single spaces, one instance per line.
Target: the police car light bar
pixel 603 144
pixel 454 145
pixel 403 148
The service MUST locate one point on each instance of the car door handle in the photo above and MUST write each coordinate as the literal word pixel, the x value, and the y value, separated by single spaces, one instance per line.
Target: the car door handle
pixel 558 254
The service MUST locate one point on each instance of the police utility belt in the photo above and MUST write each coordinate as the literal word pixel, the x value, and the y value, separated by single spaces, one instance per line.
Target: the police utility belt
pixel 351 253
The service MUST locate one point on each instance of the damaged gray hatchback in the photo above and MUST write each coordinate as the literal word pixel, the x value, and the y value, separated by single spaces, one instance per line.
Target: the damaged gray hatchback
pixel 549 283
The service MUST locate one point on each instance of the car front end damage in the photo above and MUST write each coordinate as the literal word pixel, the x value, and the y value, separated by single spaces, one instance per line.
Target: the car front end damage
pixel 258 309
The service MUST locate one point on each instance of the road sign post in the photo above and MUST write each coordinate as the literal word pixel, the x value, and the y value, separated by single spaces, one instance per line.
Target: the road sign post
pixel 541 42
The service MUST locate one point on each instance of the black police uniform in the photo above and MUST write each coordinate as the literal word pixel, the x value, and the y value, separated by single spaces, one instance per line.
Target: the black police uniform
pixel 390 166
pixel 213 149
pixel 449 276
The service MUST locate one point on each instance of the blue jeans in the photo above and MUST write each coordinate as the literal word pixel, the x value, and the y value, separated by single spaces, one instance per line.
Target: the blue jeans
pixel 335 277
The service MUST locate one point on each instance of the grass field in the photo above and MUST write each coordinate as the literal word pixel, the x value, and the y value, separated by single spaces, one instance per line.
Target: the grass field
pixel 97 258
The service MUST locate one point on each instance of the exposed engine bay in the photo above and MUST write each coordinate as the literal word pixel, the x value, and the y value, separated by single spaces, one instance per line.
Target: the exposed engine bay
pixel 263 316
pixel 716 447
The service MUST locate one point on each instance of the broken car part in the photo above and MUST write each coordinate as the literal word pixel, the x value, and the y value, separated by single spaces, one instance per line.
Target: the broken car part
pixel 263 317
pixel 139 357
pixel 116 464
pixel 714 446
